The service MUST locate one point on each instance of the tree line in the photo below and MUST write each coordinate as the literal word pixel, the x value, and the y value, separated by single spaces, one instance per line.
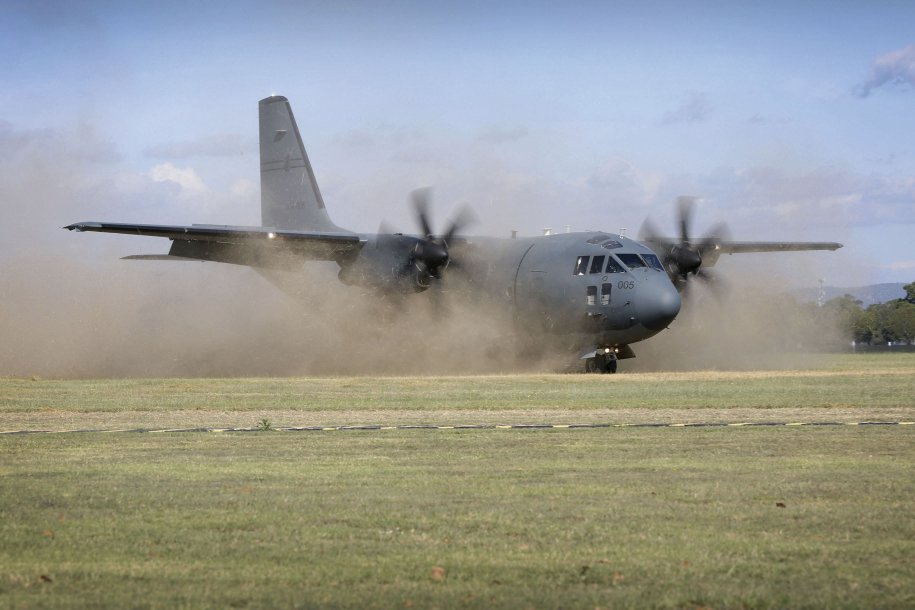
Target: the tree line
pixel 880 323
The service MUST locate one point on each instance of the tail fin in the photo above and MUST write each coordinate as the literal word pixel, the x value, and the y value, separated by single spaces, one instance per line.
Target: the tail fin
pixel 290 198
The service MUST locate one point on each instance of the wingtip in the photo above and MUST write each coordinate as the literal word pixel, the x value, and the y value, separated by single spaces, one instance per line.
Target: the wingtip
pixel 79 227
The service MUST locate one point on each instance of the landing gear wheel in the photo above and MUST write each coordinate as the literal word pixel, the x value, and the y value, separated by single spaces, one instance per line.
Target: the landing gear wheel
pixel 601 364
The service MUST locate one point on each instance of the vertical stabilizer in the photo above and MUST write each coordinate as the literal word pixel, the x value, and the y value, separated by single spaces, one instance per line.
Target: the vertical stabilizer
pixel 290 198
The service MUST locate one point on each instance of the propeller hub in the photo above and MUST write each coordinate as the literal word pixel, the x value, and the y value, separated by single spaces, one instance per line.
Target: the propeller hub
pixel 682 256
pixel 435 254
pixel 429 254
pixel 687 260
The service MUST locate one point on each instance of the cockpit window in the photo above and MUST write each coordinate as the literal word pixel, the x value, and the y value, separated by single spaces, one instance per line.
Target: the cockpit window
pixel 632 260
pixel 597 239
pixel 581 265
pixel 597 264
pixel 613 266
pixel 653 261
pixel 611 244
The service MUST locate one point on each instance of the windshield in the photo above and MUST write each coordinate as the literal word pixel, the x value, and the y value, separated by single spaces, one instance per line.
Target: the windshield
pixel 613 266
pixel 632 260
pixel 653 261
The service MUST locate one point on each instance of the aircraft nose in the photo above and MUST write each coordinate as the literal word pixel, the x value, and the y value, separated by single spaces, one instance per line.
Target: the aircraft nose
pixel 661 306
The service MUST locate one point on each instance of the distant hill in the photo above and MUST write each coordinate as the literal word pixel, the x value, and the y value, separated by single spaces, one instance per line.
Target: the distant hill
pixel 868 295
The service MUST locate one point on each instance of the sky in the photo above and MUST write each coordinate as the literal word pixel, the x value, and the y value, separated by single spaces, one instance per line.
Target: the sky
pixel 787 120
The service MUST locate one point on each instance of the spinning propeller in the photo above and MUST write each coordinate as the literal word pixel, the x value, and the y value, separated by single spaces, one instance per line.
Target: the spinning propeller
pixel 429 256
pixel 683 257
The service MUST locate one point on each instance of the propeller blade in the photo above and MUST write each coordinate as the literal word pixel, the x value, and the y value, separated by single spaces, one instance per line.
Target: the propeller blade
pixel 465 217
pixel 421 274
pixel 685 206
pixel 421 197
pixel 716 285
pixel 719 233
pixel 649 232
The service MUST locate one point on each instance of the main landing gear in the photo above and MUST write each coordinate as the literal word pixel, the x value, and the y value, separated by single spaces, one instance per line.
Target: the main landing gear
pixel 601 363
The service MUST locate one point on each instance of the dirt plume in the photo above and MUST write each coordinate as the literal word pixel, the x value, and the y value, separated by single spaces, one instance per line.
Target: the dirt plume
pixel 741 325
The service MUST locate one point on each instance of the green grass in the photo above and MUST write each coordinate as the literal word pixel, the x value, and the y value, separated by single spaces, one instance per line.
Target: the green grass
pixel 648 518
pixel 612 518
pixel 844 388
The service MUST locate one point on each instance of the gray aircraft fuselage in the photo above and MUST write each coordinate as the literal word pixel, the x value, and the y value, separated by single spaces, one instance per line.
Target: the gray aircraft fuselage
pixel 571 284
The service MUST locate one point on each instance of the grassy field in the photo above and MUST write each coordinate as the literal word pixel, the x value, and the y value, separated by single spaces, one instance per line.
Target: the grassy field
pixel 681 518
pixel 844 388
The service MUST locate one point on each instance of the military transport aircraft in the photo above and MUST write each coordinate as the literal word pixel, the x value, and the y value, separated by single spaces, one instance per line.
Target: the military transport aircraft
pixel 596 293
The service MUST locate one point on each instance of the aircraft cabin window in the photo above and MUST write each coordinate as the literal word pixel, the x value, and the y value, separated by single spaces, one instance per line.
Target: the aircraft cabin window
pixel 605 293
pixel 581 265
pixel 597 264
pixel 653 261
pixel 632 260
pixel 592 295
pixel 613 266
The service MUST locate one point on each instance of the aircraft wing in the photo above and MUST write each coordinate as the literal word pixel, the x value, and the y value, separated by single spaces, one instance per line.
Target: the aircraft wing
pixel 739 247
pixel 263 247
pixel 710 255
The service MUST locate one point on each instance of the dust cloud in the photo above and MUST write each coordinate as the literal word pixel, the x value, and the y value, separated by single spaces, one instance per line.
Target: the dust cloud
pixel 69 307
pixel 154 319
pixel 62 318
pixel 741 324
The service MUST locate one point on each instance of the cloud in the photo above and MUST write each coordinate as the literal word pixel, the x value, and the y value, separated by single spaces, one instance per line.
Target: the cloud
pixel 893 68
pixel 223 145
pixel 246 189
pixel 186 178
pixel 694 109
pixel 827 196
